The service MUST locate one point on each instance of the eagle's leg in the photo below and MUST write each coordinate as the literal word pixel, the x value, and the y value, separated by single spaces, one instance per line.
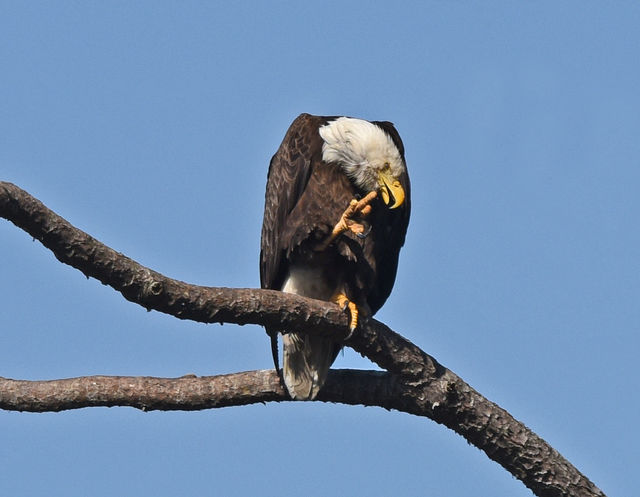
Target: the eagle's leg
pixel 356 208
pixel 343 301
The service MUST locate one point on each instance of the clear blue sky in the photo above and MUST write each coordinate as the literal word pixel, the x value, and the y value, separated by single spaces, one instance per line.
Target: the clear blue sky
pixel 151 125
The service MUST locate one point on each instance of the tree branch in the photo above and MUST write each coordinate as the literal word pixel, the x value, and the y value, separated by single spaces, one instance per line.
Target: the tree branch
pixel 416 382
pixel 187 393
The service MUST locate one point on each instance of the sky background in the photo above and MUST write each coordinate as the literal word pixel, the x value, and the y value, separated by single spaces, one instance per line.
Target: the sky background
pixel 150 125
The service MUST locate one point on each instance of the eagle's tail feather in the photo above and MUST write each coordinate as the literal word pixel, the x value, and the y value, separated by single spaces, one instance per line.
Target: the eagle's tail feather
pixel 306 362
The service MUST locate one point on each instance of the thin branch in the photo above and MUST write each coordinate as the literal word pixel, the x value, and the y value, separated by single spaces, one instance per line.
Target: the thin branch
pixel 187 393
pixel 416 382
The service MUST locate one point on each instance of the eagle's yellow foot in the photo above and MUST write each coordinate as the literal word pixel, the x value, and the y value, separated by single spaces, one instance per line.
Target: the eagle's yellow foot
pixel 344 303
pixel 357 208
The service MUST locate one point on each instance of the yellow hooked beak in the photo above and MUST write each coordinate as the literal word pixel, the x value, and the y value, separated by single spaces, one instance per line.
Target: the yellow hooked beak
pixel 390 189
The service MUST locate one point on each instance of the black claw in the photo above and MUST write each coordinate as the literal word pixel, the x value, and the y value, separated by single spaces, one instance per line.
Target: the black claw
pixel 350 334
pixel 364 235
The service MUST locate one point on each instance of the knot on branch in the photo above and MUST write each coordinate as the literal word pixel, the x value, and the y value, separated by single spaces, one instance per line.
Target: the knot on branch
pixel 154 288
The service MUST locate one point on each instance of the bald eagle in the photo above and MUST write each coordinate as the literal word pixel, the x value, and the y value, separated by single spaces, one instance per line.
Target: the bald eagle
pixel 336 212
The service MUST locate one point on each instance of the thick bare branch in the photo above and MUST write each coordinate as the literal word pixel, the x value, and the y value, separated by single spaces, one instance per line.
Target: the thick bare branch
pixel 416 383
pixel 153 290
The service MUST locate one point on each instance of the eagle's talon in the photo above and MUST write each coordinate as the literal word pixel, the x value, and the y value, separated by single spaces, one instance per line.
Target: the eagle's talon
pixel 356 208
pixel 362 236
pixel 353 323
pixel 343 301
pixel 350 334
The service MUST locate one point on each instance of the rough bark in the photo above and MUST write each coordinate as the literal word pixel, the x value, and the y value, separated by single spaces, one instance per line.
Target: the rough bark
pixel 187 393
pixel 414 382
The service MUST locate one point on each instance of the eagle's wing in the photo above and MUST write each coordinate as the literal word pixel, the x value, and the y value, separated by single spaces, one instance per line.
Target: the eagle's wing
pixel 394 224
pixel 289 173
pixel 401 228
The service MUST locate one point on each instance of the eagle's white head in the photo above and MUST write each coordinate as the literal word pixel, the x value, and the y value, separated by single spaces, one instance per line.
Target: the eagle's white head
pixel 367 155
